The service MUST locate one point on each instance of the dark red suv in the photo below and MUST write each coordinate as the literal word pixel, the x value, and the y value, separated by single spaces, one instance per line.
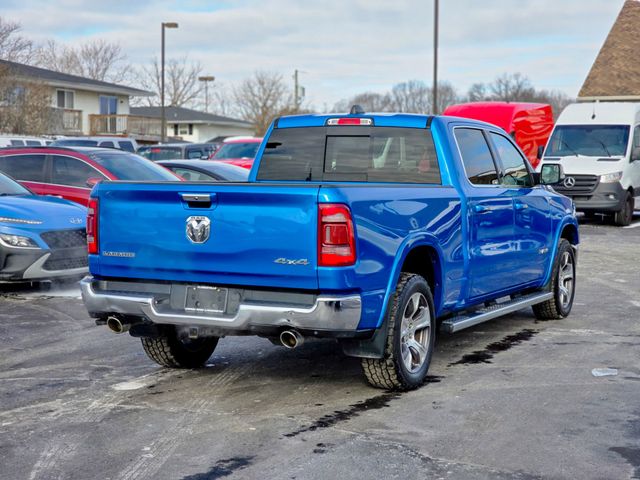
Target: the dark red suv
pixel 71 173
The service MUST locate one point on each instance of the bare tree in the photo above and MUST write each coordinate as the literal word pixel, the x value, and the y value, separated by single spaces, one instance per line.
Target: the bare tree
pixel 25 107
pixel 182 87
pixel 517 88
pixel 261 98
pixel 413 96
pixel 13 46
pixel 369 101
pixel 511 88
pixel 447 95
pixel 97 59
pixel 477 93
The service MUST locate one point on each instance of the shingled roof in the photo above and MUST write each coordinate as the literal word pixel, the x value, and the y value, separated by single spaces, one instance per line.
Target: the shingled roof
pixel 615 75
pixel 59 79
pixel 186 115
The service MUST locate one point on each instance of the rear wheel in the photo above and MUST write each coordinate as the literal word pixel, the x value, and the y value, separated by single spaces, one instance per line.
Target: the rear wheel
pixel 563 283
pixel 177 350
pixel 410 338
pixel 625 216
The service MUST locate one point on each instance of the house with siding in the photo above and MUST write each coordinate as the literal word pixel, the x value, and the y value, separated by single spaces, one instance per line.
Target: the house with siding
pixel 194 125
pixel 83 106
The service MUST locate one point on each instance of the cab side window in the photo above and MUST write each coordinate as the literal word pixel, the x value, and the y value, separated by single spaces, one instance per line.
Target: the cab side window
pixel 636 137
pixel 476 156
pixel 28 168
pixel 72 172
pixel 515 170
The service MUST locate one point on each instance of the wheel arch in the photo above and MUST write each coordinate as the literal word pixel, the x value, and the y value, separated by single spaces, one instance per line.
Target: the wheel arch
pixel 421 255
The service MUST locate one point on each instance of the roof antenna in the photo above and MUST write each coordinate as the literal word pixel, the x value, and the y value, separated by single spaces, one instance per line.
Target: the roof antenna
pixel 356 110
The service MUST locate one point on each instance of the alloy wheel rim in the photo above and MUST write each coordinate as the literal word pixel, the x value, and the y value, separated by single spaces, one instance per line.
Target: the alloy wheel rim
pixel 415 332
pixel 565 279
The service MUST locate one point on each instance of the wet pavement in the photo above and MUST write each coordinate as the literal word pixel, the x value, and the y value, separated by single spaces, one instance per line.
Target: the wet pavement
pixel 511 398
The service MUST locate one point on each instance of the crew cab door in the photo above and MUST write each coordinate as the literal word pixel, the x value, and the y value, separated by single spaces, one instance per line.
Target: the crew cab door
pixel 531 211
pixel 490 222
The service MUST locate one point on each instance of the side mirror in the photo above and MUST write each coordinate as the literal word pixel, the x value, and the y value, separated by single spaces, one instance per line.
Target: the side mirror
pixel 93 181
pixel 551 174
pixel 635 154
pixel 540 152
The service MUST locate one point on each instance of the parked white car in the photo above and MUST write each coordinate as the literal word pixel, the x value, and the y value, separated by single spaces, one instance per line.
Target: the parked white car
pixel 122 143
pixel 598 146
pixel 23 141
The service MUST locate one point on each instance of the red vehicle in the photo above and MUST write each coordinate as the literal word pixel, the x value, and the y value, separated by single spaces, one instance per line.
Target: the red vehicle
pixel 238 151
pixel 529 124
pixel 71 173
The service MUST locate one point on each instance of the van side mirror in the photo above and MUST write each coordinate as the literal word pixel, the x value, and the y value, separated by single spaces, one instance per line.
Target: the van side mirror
pixel 540 152
pixel 551 174
pixel 635 154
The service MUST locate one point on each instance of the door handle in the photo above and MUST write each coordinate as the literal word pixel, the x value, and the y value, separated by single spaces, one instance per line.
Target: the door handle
pixel 521 206
pixel 481 208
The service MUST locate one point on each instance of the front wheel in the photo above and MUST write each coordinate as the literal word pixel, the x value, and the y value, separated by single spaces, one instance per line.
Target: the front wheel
pixel 625 216
pixel 176 350
pixel 410 338
pixel 563 283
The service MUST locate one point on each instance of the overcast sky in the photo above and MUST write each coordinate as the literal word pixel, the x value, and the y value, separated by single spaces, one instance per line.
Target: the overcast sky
pixel 343 46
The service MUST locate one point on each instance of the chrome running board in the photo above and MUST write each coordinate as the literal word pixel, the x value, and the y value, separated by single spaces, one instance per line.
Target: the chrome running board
pixel 461 322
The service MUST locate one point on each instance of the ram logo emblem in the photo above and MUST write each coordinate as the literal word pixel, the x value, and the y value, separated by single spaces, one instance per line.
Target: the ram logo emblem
pixel 198 229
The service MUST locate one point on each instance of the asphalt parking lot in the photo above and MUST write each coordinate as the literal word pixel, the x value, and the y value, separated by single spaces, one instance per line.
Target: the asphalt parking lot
pixel 512 398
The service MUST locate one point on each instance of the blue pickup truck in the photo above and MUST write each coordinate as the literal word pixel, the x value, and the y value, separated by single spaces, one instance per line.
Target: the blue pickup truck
pixel 372 229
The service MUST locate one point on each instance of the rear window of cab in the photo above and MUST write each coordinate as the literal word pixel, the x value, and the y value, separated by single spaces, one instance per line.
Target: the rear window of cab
pixel 354 153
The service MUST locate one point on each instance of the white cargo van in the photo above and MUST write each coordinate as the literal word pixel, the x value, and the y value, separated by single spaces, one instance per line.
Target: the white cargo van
pixel 598 146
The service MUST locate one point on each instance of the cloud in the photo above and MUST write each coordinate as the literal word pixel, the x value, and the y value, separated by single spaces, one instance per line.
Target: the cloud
pixel 344 46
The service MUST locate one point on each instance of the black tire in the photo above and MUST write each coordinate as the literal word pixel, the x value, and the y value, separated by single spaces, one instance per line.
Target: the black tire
pixel 558 306
pixel 390 371
pixel 178 351
pixel 625 216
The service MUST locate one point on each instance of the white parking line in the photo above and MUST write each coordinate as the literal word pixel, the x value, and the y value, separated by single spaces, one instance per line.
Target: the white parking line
pixel 633 225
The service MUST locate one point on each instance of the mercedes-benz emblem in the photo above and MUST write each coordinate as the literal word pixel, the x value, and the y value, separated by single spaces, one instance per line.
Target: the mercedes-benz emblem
pixel 198 229
pixel 569 182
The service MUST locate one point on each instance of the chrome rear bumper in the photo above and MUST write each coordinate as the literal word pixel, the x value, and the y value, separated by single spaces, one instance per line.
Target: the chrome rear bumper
pixel 328 313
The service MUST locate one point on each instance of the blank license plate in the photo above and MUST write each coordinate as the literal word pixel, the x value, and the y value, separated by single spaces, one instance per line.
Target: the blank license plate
pixel 206 299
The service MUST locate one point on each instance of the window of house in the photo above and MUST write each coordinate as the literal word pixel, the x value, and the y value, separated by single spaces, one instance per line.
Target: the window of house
pixel 183 129
pixel 65 98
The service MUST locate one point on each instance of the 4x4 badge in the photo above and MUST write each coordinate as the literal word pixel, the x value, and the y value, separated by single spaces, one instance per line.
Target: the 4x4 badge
pixel 198 229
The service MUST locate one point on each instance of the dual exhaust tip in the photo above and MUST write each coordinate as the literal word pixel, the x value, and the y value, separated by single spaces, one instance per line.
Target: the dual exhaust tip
pixel 288 338
pixel 291 339
pixel 116 325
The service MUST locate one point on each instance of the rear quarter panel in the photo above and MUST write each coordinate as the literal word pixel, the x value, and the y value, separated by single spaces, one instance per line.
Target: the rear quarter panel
pixel 390 220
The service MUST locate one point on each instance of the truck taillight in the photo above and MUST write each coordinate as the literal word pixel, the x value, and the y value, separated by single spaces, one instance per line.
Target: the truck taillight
pixel 336 236
pixel 92 226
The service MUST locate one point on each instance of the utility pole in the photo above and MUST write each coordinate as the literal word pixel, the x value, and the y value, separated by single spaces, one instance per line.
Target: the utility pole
pixel 163 114
pixel 295 90
pixel 206 79
pixel 435 57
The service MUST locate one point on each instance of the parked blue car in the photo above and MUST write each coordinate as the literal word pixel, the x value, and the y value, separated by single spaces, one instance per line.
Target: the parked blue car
pixel 40 237
pixel 372 229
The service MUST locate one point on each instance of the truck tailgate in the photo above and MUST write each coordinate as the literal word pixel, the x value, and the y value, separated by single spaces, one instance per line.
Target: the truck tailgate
pixel 260 235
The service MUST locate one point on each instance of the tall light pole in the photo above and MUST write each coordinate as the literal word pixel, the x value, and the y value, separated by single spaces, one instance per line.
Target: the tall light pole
pixel 163 133
pixel 435 57
pixel 206 79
